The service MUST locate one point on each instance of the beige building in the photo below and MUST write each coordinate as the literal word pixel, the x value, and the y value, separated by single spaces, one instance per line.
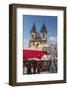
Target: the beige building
pixel 38 40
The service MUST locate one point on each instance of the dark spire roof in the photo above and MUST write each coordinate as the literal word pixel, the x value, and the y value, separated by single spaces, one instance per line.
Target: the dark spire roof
pixel 33 28
pixel 43 29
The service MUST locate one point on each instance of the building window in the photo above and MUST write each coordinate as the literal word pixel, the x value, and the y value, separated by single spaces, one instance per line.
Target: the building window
pixel 32 36
pixel 43 35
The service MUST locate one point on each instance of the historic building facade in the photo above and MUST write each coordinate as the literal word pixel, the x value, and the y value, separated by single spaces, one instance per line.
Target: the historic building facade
pixel 38 40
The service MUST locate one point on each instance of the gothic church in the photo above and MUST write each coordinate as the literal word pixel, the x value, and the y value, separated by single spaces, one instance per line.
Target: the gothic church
pixel 38 40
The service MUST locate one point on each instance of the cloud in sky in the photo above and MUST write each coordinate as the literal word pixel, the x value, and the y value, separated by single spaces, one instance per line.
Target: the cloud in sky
pixel 52 40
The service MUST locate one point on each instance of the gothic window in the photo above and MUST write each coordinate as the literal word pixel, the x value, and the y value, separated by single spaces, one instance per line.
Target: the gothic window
pixel 43 35
pixel 32 36
pixel 37 44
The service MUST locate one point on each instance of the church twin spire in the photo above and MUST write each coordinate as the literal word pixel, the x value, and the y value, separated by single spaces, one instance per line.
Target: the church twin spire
pixel 38 39
pixel 33 28
pixel 43 29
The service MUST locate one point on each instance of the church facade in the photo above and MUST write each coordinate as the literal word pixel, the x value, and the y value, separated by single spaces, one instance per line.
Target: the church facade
pixel 38 40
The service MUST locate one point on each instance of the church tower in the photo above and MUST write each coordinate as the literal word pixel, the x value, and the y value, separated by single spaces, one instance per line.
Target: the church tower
pixel 43 34
pixel 32 36
pixel 38 40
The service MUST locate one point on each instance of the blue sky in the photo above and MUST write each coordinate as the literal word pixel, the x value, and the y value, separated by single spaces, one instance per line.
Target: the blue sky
pixel 49 21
